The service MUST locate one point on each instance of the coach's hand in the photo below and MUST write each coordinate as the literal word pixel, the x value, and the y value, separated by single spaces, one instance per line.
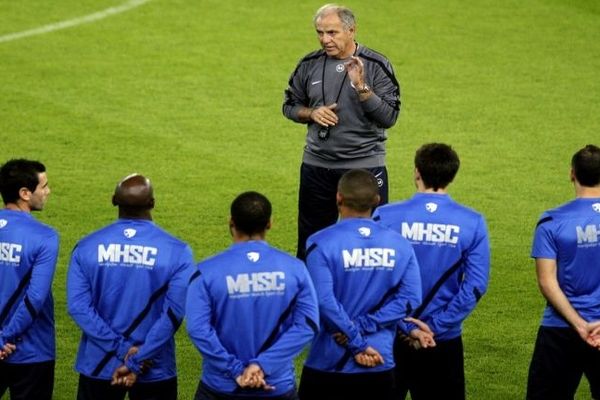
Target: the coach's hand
pixel 324 115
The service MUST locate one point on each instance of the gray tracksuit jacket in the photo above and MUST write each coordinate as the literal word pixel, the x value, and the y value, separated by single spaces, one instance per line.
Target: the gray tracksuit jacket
pixel 358 140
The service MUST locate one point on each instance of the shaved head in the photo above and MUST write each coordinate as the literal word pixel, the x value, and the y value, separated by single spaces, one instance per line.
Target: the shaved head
pixel 358 190
pixel 134 196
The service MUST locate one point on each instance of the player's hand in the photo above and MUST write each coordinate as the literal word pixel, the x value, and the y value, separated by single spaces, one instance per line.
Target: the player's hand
pixel 132 351
pixel 340 339
pixel 7 350
pixel 369 358
pixel 422 336
pixel 593 337
pixel 325 115
pixel 123 377
pixel 253 377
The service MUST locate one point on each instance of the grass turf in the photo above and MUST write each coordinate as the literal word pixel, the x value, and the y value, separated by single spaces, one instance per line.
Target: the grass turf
pixel 189 93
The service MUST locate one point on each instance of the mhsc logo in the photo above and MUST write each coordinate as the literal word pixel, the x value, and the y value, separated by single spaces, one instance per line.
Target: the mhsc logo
pixel 253 256
pixel 431 207
pixel 129 233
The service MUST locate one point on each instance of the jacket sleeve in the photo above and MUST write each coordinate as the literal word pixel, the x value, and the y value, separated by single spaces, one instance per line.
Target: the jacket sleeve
pixel 383 106
pixel 295 96
pixel 473 286
pixel 199 315
pixel 331 311
pixel 172 312
pixel 37 291
pixel 398 303
pixel 81 308
pixel 304 325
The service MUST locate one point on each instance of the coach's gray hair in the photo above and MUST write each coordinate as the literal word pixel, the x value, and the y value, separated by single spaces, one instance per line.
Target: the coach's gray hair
pixel 344 13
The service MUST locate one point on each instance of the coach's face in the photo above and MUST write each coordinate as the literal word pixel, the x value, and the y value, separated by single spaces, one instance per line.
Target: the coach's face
pixel 336 40
pixel 37 198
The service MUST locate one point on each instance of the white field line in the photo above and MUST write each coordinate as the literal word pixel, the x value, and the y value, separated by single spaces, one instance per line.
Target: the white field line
pixel 86 19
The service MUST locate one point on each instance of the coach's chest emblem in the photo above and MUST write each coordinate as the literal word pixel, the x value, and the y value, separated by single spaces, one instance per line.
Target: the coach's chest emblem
pixel 340 68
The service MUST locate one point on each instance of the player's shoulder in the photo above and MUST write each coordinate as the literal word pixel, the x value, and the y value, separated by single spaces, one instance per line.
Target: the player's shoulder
pixel 468 211
pixel 43 229
pixel 392 208
pixel 568 211
pixel 329 233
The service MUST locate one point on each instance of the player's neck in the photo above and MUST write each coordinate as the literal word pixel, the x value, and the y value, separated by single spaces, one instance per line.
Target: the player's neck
pixel 433 191
pixel 346 212
pixel 586 192
pixel 18 206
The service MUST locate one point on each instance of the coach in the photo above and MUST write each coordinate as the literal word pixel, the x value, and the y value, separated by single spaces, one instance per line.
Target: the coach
pixel 348 96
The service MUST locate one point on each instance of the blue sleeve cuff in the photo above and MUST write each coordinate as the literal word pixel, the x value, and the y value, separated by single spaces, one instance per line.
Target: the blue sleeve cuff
pixel 235 369
pixel 357 344
pixel 366 324
pixel 133 365
pixel 123 347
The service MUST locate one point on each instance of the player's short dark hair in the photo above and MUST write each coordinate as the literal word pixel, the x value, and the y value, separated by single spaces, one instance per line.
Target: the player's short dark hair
pixel 586 166
pixel 251 212
pixel 359 190
pixel 16 174
pixel 438 164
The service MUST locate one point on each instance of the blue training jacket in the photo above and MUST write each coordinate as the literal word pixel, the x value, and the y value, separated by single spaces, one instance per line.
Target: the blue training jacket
pixel 444 235
pixel 569 234
pixel 367 279
pixel 251 303
pixel 126 286
pixel 28 253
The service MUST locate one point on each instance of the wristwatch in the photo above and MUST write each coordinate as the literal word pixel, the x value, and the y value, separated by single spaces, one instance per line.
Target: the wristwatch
pixel 364 89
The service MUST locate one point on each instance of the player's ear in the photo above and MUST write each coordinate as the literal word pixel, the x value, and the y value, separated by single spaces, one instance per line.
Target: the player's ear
pixel 269 224
pixel 339 199
pixel 417 175
pixel 376 200
pixel 231 226
pixel 572 175
pixel 24 194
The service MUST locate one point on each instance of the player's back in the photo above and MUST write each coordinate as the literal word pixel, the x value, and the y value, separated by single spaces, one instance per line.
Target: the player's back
pixel 439 229
pixel 570 234
pixel 26 243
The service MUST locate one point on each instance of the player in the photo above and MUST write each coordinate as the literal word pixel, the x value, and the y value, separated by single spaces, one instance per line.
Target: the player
pixel 452 246
pixel 367 279
pixel 28 253
pixel 567 258
pixel 250 310
pixel 126 289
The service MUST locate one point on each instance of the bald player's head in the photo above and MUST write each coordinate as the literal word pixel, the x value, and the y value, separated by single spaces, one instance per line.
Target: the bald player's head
pixel 134 196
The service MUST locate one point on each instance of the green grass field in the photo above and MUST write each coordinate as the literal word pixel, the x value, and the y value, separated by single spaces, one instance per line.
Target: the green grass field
pixel 189 93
